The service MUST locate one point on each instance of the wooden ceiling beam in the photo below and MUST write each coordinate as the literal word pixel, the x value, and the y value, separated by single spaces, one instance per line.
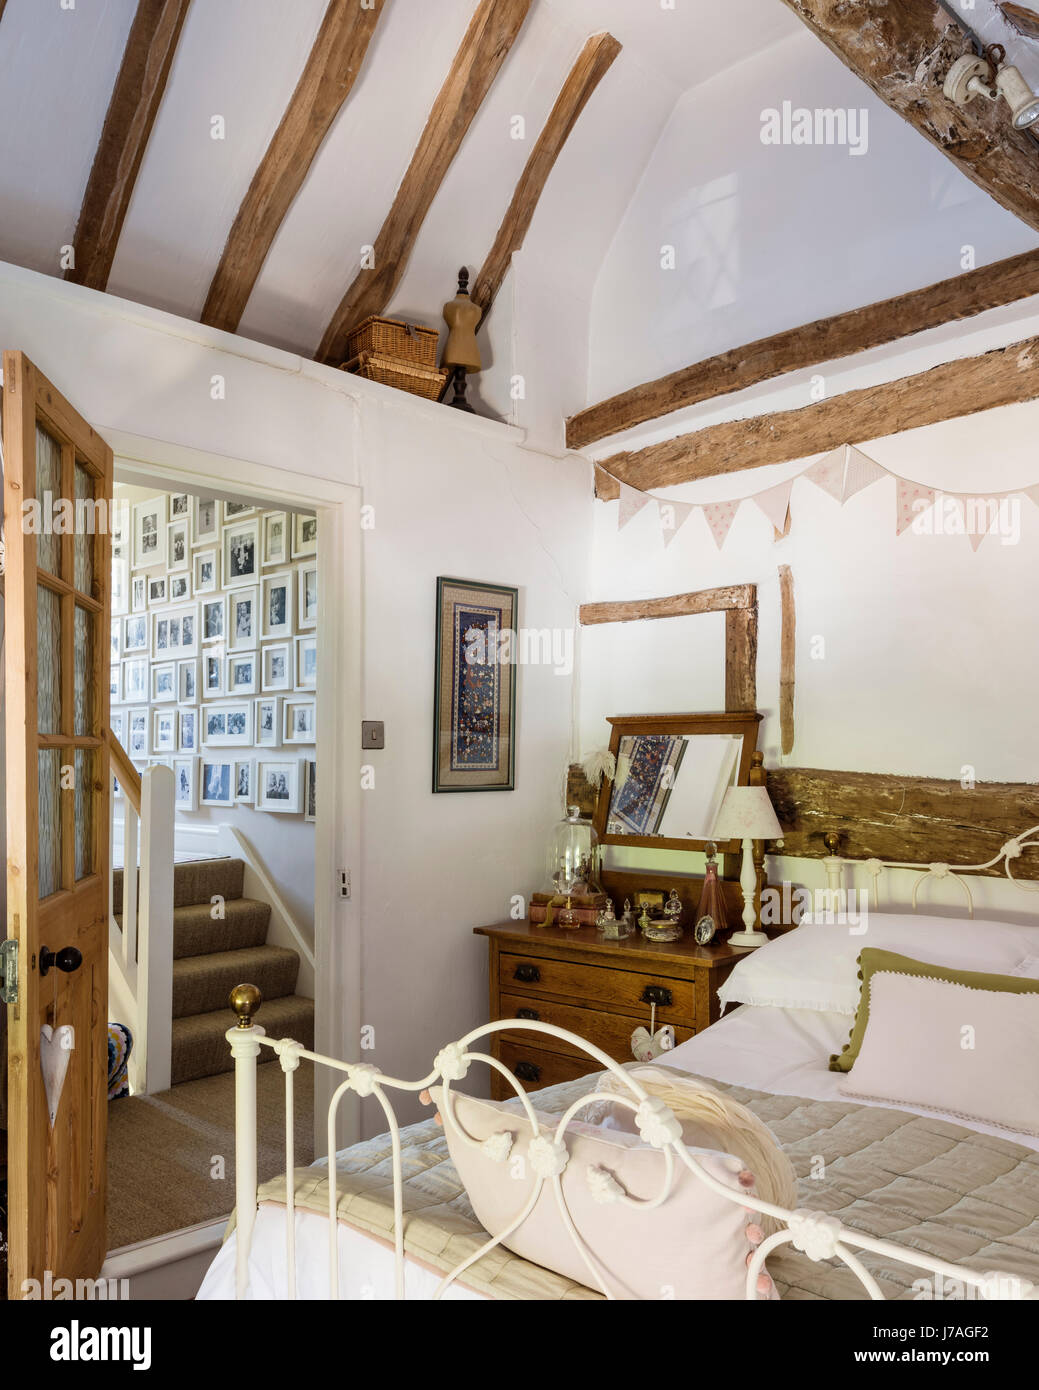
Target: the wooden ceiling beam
pixel 594 61
pixel 1024 20
pixel 1005 376
pixel 491 34
pixel 810 345
pixel 327 80
pixel 903 50
pixel 135 102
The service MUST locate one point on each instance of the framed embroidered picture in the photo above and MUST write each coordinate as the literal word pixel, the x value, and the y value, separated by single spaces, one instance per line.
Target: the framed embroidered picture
pixel 474 700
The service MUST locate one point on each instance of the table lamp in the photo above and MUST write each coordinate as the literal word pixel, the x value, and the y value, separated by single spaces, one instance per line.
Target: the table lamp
pixel 746 814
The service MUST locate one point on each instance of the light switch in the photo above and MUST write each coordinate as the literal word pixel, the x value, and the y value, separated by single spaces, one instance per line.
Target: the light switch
pixel 373 733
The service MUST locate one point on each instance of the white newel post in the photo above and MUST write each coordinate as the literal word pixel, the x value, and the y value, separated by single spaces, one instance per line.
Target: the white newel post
pixel 155 925
pixel 245 1049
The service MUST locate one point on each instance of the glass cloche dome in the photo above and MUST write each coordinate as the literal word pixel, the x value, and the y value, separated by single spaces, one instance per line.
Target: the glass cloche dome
pixel 574 857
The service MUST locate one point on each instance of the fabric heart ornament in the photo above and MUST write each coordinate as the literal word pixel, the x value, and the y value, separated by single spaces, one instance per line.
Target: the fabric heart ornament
pixel 56 1047
pixel 646 1045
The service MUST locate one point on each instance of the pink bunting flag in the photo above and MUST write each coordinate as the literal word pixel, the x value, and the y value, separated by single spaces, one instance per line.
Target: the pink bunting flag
pixel 775 503
pixel 632 502
pixel 673 516
pixel 909 497
pixel 828 473
pixel 860 472
pixel 720 516
pixel 978 515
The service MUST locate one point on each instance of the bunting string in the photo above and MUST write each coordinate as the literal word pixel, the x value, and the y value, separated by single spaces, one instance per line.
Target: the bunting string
pixel 842 473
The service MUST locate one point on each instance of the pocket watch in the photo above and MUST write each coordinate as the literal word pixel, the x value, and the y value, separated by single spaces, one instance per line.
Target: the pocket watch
pixel 704 931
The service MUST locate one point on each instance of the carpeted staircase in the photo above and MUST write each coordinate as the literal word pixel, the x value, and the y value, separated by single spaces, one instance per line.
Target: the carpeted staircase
pixel 215 947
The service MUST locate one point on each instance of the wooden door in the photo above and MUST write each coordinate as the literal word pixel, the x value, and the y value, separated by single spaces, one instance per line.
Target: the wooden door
pixel 57 505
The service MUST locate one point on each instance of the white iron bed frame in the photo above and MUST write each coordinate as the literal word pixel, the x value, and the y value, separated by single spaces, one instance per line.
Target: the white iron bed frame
pixel 819 1236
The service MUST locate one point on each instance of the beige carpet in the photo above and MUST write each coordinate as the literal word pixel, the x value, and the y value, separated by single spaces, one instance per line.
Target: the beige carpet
pixel 171 1155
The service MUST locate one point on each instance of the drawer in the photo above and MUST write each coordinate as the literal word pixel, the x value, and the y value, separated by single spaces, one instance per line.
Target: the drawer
pixel 536 1068
pixel 611 1032
pixel 621 989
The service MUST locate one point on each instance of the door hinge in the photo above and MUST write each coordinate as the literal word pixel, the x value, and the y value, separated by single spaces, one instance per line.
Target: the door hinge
pixel 9 971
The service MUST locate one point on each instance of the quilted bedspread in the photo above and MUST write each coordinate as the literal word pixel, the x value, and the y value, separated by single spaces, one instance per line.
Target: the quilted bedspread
pixel 929 1185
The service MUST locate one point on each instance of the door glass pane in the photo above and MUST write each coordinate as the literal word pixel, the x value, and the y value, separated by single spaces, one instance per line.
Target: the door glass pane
pixel 48 660
pixel 85 529
pixel 48 492
pixel 84 812
pixel 83 673
pixel 49 820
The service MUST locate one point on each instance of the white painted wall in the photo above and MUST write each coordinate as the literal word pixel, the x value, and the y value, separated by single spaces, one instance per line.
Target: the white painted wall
pixel 767 237
pixel 452 495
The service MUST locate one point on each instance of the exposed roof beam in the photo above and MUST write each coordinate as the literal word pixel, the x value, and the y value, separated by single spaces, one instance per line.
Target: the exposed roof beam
pixel 903 50
pixel 1004 376
pixel 491 34
pixel 327 80
pixel 594 61
pixel 825 340
pixel 1024 20
pixel 138 92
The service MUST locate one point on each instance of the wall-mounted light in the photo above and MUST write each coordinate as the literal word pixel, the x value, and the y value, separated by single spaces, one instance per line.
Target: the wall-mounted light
pixel 991 76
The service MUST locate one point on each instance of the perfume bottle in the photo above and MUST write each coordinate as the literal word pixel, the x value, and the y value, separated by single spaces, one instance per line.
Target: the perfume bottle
pixel 711 916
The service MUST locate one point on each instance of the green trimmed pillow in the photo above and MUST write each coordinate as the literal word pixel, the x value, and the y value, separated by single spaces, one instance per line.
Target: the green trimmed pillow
pixel 872 959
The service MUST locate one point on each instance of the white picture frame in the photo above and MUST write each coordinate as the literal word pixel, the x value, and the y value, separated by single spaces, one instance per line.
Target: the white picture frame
pixel 306 662
pixel 178 545
pixel 188 731
pixel 180 586
pixel 242 673
pixel 117 723
pixel 299 722
pixel 244 786
pixel 115 641
pixel 306 598
pixel 163 682
pixel 138 593
pixel 278 785
pixel 205 571
pixel 175 632
pixel 115 685
pixel 135 633
pixel 137 732
pixel 214 619
pixel 276 667
pixel 213 674
pixel 275 537
pixel 180 506
pixel 158 590
pixel 205 519
pixel 216 784
pixel 304 535
pixel 234 511
pixel 185 783
pixel 187 681
pixel 228 725
pixel 149 532
pixel 241 553
pixel 243 619
pixel 120 586
pixel 310 789
pixel 135 679
pixel 276 606
pixel 267 731
pixel 164 730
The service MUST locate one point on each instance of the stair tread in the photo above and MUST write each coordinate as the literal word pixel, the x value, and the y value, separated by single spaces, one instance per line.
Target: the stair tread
pixel 202 983
pixel 200 1046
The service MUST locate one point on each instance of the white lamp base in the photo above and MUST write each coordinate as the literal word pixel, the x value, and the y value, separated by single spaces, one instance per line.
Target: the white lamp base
pixel 748 938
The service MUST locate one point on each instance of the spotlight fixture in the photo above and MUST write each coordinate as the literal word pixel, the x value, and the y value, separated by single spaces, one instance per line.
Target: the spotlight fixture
pixel 991 76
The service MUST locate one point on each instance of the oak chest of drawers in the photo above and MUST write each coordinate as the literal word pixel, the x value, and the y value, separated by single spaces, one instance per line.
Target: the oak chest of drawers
pixel 601 990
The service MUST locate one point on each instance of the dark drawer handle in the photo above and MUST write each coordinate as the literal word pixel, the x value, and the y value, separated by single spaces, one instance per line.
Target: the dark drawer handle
pixel 528 1013
pixel 657 994
pixel 527 1071
pixel 529 974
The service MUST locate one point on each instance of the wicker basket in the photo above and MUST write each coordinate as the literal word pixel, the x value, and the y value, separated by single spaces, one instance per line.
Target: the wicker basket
pixel 405 376
pixel 408 342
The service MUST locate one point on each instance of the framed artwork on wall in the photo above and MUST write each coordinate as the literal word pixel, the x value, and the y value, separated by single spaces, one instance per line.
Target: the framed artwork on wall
pixel 177 547
pixel 120 585
pixel 187 681
pixel 135 633
pixel 306 604
pixel 217 783
pixel 189 731
pixel 117 723
pixel 268 721
pixel 228 726
pixel 241 673
pixel 164 731
pixel 138 593
pixel 137 732
pixel 241 553
pixel 180 506
pixel 180 587
pixel 276 668
pixel 175 632
pixel 158 589
pixel 275 538
pixel 214 619
pixel 310 791
pixel 205 566
pixel 304 536
pixel 135 679
pixel 206 528
pixel 185 783
pixel 299 722
pixel 164 682
pixel 149 531
pixel 115 692
pixel 277 605
pixel 474 697
pixel 243 781
pixel 233 510
pixel 212 674
pixel 243 619
pixel 278 786
pixel 306 663
pixel 116 640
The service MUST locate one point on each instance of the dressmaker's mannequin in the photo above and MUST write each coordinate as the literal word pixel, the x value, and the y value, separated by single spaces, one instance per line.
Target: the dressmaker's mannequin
pixel 461 352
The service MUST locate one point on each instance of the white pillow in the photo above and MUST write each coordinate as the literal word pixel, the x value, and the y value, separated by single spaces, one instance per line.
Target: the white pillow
pixel 938 1045
pixel 814 966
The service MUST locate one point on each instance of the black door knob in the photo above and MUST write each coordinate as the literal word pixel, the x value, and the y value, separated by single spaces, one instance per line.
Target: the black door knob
pixel 69 958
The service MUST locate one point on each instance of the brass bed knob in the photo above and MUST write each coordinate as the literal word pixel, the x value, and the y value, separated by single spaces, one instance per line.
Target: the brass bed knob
pixel 245 1000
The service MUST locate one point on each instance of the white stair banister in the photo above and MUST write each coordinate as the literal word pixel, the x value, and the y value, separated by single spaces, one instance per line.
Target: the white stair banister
pixel 155 926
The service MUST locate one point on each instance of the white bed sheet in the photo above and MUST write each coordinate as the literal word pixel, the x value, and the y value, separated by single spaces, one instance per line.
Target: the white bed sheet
pixel 785 1051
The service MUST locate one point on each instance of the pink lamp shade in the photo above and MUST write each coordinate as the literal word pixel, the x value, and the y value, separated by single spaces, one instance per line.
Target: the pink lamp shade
pixel 746 814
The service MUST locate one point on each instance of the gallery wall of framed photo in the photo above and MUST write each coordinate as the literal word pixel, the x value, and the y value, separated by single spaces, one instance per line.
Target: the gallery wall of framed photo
pixel 214 650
